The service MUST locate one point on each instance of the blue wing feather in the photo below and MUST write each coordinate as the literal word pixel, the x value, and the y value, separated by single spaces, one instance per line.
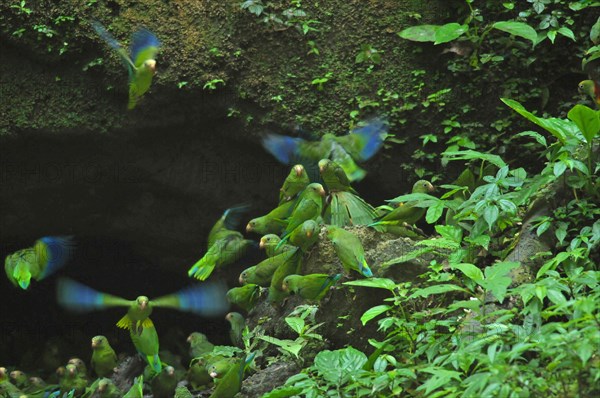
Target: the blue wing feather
pixel 141 41
pixel 284 148
pixel 233 215
pixel 372 135
pixel 59 250
pixel 207 299
pixel 105 35
pixel 78 297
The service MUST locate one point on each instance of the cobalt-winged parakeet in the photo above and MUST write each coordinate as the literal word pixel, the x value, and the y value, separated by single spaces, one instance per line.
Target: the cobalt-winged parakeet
pixel 310 287
pixel 140 64
pixel 404 213
pixel 231 382
pixel 291 266
pixel 206 299
pixel 199 344
pixel 146 343
pixel 592 89
pixel 270 243
pixel 80 365
pixel 305 235
pixel 229 247
pixel 261 273
pixel 237 323
pixel 217 369
pixel 229 221
pixel 163 384
pixel 107 389
pixel 104 358
pixel 309 207
pixel 19 379
pixel 349 250
pixel 273 222
pixel 244 297
pixel 357 146
pixel 47 255
pixel 72 380
pixel 294 183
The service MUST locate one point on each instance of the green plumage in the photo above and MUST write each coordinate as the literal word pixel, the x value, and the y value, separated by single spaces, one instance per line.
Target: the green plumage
pixel 146 343
pixel 270 243
pixel 291 266
pixel 310 287
pixel 273 222
pixel 199 344
pixel 197 375
pixel 231 383
pixel 237 323
pixel 261 273
pixel 183 392
pixel 73 380
pixel 230 247
pixel 309 207
pixel 294 183
pixel 305 236
pixel 137 389
pixel 349 250
pixel 244 297
pixel 163 384
pixel 334 177
pixel 105 388
pixel 104 358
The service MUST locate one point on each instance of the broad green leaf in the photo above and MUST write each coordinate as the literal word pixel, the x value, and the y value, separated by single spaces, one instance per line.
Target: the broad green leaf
pixel 434 212
pixel 405 258
pixel 449 32
pixel 382 283
pixel 587 120
pixel 450 232
pixel 535 135
pixel 416 199
pixel 373 312
pixel 474 155
pixel 338 366
pixel 420 33
pixel 585 351
pixel 470 270
pixel 296 323
pixel 553 126
pixel 566 32
pixel 490 215
pixel 287 345
pixel 283 392
pixel 496 280
pixel 520 29
pixel 437 289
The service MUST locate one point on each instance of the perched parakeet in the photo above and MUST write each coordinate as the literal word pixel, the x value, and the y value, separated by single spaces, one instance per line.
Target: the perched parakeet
pixel 137 389
pixel 592 89
pixel 107 389
pixel 273 222
pixel 163 384
pixel 47 255
pixel 199 344
pixel 218 369
pixel 197 375
pixel 141 65
pixel 80 365
pixel 305 235
pixel 206 299
pixel 334 177
pixel 349 250
pixel 229 221
pixel 72 380
pixel 231 382
pixel 310 287
pixel 146 343
pixel 228 248
pixel 244 297
pixel 291 266
pixel 19 379
pixel 9 390
pixel 405 213
pixel 237 323
pixel 104 358
pixel 182 392
pixel 294 183
pixel 270 243
pixel 359 145
pixel 309 207
pixel 261 273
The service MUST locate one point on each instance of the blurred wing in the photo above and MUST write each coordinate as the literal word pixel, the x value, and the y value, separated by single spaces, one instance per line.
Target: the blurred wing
pixel 53 252
pixel 79 297
pixel 285 149
pixel 111 41
pixel 364 142
pixel 144 46
pixel 207 299
pixel 345 161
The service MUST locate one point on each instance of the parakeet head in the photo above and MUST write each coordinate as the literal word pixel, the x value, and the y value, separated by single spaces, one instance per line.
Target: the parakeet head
pixel 36 381
pixel 196 337
pixel 79 364
pixel 151 65
pixel 422 186
pixel 251 225
pixel 289 282
pixel 17 375
pixel 60 371
pixel 70 370
pixel 170 370
pixel 142 302
pixel 243 277
pixel 235 317
pixel 269 239
pixel 22 275
pixel 586 87
pixel 309 227
pixel 316 188
pixel 323 164
pixel 2 373
pixel 98 342
pixel 103 384
pixel 299 169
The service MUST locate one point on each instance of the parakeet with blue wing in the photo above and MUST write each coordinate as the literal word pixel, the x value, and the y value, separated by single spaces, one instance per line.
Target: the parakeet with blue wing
pixel 47 256
pixel 140 63
pixel 349 250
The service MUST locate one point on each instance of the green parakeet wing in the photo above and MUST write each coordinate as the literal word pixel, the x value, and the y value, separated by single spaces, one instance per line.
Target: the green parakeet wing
pixel 78 297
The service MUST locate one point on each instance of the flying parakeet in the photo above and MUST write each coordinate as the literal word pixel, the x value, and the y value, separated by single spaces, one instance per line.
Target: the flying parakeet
pixel 163 384
pixel 237 323
pixel 199 344
pixel 261 273
pixel 47 255
pixel 206 299
pixel 104 358
pixel 290 266
pixel 305 235
pixel 592 89
pixel 295 183
pixel 349 250
pixel 270 243
pixel 244 297
pixel 359 145
pixel 141 65
pixel 137 389
pixel 146 343
pixel 231 383
pixel 309 207
pixel 273 222
pixel 312 286
pixel 227 249
pixel 405 213
pixel 229 221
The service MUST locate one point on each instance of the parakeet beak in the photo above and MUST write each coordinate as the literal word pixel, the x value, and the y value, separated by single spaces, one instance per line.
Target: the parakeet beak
pixel 189 339
pixel 298 169
pixel 101 387
pixel 261 244
pixel 170 371
pixel 249 227
pixel 241 280
pixel 151 65
pixel 322 192
pixel 214 374
pixel 143 305
pixel 94 344
pixel 284 287
pixel 309 234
